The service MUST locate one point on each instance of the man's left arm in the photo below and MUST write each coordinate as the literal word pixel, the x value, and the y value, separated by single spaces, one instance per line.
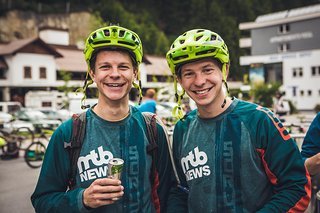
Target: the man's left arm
pixel 285 169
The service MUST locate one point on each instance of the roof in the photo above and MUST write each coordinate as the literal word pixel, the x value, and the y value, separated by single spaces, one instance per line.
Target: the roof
pixel 158 66
pixel 19 45
pixel 72 60
pixel 281 17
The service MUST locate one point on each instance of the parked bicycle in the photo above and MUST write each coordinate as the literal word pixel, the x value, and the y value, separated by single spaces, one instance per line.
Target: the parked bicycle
pixel 34 153
pixel 13 142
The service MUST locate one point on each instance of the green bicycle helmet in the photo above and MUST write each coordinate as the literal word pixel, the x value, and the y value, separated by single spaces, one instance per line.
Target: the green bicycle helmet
pixel 113 36
pixel 196 44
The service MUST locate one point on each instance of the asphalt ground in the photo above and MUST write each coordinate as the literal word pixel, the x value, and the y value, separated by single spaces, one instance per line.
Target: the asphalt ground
pixel 17 182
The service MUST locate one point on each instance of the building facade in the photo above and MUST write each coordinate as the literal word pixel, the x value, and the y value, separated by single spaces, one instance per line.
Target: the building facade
pixel 284 47
pixel 38 64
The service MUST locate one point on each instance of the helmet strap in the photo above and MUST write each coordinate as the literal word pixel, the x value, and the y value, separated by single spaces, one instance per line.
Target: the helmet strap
pixel 87 82
pixel 177 111
pixel 138 87
pixel 224 80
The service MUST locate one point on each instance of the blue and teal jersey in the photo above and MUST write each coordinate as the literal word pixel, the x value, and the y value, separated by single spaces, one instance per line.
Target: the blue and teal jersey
pixel 311 142
pixel 126 139
pixel 148 106
pixel 242 161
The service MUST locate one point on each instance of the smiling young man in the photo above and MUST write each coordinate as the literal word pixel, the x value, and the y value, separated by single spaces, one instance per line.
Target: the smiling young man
pixel 231 155
pixel 114 129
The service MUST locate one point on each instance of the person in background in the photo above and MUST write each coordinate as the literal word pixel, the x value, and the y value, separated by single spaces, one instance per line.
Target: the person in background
pixel 149 103
pixel 114 129
pixel 230 155
pixel 281 107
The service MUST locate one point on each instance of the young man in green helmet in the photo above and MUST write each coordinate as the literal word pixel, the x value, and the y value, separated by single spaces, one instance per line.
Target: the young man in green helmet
pixel 231 155
pixel 113 129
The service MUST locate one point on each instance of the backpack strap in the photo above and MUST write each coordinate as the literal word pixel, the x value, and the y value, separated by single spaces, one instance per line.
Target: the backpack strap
pixel 147 116
pixel 77 138
pixel 152 149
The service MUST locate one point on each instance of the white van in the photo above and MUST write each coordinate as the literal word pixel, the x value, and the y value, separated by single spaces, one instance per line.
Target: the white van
pixel 10 107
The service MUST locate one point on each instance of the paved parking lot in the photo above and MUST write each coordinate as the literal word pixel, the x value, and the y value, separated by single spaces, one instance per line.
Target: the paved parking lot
pixel 17 182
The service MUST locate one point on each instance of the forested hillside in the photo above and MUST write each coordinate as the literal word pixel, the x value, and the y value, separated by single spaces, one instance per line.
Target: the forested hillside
pixel 159 22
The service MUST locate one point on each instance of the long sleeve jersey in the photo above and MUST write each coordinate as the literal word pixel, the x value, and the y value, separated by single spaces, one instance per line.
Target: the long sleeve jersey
pixel 126 139
pixel 311 143
pixel 242 161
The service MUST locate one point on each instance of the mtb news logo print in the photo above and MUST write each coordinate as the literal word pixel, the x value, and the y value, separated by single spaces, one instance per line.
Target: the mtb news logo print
pixel 100 159
pixel 194 164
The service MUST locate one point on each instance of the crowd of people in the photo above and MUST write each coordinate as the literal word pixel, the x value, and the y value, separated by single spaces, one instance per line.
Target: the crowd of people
pixel 227 155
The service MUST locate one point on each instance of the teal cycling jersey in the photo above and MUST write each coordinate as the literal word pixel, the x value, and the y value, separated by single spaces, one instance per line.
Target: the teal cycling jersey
pixel 126 139
pixel 243 160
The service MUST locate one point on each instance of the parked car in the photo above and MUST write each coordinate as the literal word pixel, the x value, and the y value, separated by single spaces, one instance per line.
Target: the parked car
pixel 53 114
pixel 10 106
pixel 5 117
pixel 18 124
pixel 37 118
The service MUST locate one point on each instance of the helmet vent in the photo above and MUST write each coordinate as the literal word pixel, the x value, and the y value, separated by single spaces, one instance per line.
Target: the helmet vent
pixel 126 43
pixel 102 42
pixel 180 57
pixel 200 31
pixel 133 37
pixel 182 41
pixel 205 52
pixel 106 32
pixel 94 35
pixel 213 37
pixel 121 33
pixel 198 38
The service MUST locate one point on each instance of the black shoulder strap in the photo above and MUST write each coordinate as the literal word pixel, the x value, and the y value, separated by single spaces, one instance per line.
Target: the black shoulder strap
pixel 152 149
pixel 151 121
pixel 151 125
pixel 77 138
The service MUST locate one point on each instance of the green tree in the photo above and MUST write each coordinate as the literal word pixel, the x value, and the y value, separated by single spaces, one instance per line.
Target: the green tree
pixel 264 93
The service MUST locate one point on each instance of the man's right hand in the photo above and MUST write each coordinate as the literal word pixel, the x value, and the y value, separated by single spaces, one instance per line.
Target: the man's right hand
pixel 102 192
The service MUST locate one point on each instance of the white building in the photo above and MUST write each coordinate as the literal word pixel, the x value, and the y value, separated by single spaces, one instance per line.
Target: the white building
pixel 285 47
pixel 27 64
pixel 36 63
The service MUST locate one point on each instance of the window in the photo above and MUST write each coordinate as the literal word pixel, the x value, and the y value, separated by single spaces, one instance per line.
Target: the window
pixel 284 28
pixel 2 74
pixel 300 72
pixel 283 47
pixel 43 73
pixel 301 93
pixel 315 71
pixel 46 104
pixel 27 72
pixel 309 92
pixel 294 91
pixel 297 72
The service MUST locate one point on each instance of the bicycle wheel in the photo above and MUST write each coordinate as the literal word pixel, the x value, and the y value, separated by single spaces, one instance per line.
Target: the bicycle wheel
pixel 34 154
